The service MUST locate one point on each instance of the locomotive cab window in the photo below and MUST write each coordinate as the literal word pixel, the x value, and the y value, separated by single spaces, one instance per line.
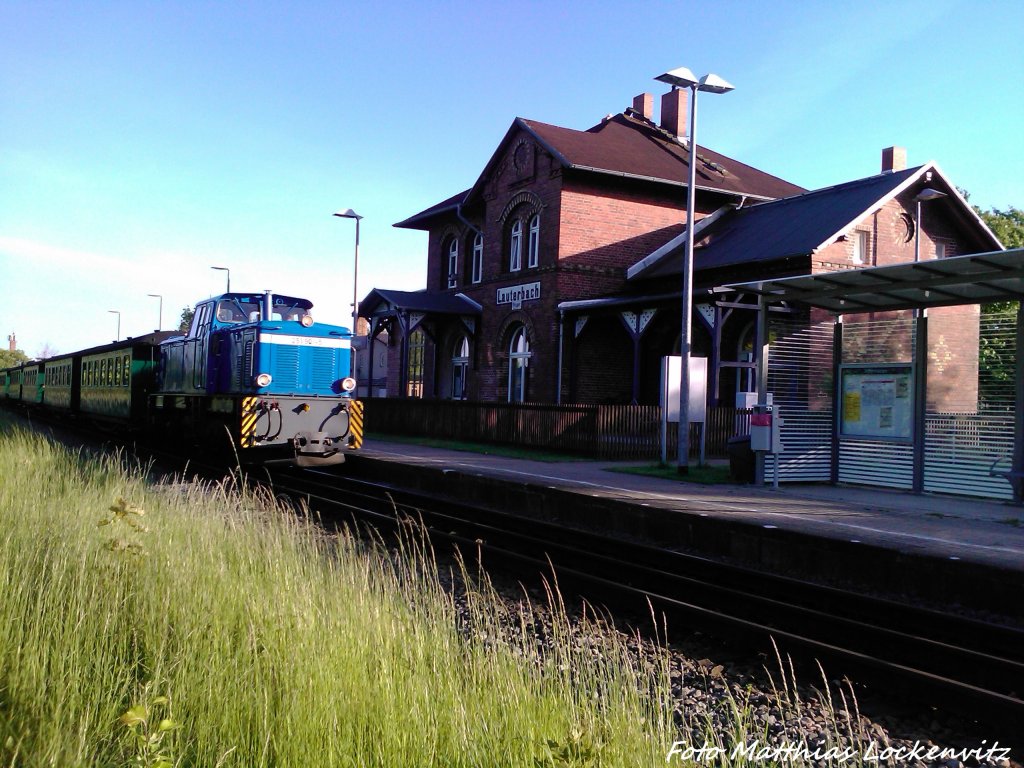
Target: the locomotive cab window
pixel 200 320
pixel 284 310
pixel 233 311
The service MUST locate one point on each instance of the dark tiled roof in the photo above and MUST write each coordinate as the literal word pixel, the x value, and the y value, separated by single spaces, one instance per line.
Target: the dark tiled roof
pixel 632 146
pixel 793 226
pixel 418 220
pixel 418 301
pixel 627 145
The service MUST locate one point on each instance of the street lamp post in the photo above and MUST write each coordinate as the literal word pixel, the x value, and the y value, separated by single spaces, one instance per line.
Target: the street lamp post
pixel 684 78
pixel 118 313
pixel 348 213
pixel 920 353
pixel 923 196
pixel 225 269
pixel 160 324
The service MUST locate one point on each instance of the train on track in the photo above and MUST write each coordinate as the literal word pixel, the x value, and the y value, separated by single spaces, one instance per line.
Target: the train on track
pixel 254 377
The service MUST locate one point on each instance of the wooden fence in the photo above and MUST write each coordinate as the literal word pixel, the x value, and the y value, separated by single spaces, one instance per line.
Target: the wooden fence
pixel 604 431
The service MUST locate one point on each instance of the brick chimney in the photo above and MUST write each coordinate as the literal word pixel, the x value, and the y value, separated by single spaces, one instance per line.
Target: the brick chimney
pixel 894 159
pixel 673 112
pixel 644 105
pixel 12 343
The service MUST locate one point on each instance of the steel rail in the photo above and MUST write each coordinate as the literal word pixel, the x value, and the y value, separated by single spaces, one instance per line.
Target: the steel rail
pixel 980 662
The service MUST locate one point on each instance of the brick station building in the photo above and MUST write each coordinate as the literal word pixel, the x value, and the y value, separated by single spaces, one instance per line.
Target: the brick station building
pixel 556 276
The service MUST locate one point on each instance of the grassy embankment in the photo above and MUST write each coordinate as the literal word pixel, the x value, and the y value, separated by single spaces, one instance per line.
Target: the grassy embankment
pixel 178 625
pixel 210 627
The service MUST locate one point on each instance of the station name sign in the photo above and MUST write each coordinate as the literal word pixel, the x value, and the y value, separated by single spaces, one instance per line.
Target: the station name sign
pixel 517 294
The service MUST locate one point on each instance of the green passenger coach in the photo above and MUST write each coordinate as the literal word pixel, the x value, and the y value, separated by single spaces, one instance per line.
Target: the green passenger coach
pixel 116 379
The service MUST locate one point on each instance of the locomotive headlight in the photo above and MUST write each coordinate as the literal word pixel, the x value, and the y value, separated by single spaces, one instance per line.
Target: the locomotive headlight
pixel 348 384
pixel 264 379
pixel 307 320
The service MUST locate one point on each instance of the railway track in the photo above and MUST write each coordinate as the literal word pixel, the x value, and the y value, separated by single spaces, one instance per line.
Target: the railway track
pixel 969 666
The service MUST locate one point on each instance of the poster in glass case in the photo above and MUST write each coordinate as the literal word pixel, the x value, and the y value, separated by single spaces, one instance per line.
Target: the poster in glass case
pixel 877 401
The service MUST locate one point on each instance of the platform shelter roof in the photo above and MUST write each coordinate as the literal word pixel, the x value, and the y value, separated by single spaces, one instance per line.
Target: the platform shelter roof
pixel 977 278
pixel 383 301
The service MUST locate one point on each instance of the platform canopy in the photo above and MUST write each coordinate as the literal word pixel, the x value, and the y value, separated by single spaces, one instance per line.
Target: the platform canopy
pixel 977 278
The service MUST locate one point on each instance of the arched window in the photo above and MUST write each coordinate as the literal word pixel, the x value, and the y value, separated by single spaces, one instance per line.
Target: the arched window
pixel 414 369
pixel 533 244
pixel 515 246
pixel 460 367
pixel 453 262
pixel 478 258
pixel 518 365
pixel 745 354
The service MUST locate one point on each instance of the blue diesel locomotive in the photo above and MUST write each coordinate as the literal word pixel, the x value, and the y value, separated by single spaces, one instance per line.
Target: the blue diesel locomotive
pixel 254 374
pixel 256 367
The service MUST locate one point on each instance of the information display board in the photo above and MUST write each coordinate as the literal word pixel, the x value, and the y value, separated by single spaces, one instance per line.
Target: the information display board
pixel 671 368
pixel 877 401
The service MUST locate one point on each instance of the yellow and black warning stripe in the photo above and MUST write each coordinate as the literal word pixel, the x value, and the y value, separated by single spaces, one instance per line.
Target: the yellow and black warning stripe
pixel 355 414
pixel 249 415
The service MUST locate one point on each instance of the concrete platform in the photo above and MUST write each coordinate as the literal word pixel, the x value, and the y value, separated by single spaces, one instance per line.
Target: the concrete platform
pixel 940 549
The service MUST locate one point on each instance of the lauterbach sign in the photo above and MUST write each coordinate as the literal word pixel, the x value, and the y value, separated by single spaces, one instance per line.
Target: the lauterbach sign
pixel 517 294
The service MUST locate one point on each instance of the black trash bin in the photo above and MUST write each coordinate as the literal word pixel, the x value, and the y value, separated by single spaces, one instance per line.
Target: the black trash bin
pixel 741 459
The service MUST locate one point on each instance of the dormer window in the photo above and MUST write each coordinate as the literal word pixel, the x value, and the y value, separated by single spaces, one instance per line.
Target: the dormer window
pixel 533 244
pixel 453 263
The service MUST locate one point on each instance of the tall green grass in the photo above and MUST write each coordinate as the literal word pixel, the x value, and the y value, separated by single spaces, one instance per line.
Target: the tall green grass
pixel 257 639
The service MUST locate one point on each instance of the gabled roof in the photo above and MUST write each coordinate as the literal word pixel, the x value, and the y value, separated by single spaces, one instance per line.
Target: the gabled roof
pixel 632 146
pixel 801 225
pixel 381 299
pixel 627 146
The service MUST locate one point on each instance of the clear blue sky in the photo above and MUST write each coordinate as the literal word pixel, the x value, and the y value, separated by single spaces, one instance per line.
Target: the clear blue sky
pixel 143 142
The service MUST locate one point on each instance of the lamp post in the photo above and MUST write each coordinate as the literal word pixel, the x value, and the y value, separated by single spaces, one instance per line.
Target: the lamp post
pixel 160 324
pixel 225 269
pixel 348 213
pixel 920 353
pixel 118 313
pixel 684 78
pixel 924 195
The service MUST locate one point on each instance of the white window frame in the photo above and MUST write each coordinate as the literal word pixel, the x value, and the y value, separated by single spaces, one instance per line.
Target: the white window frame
pixel 861 254
pixel 453 262
pixel 533 244
pixel 478 258
pixel 415 364
pixel 519 355
pixel 940 249
pixel 515 253
pixel 460 368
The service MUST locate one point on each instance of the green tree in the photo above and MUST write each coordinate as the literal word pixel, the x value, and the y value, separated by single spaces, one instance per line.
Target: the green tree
pixel 997 353
pixel 186 319
pixel 8 358
pixel 1007 225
